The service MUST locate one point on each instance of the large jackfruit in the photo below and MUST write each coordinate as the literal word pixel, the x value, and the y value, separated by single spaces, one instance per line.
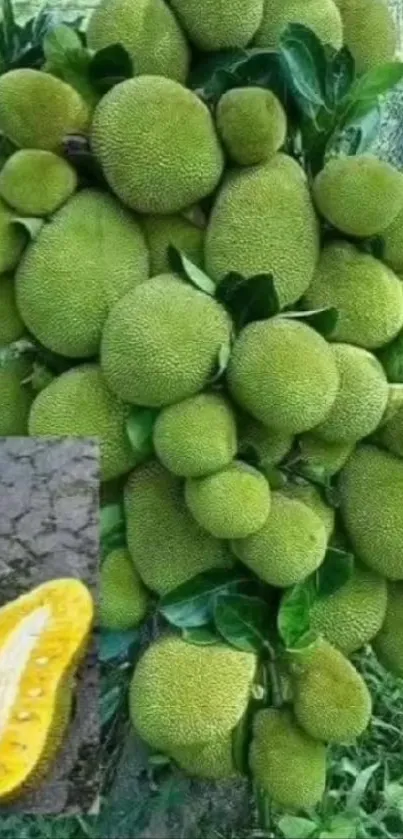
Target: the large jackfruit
pixel 322 16
pixel 153 163
pixel 64 308
pixel 163 231
pixel 149 32
pixel 11 325
pixel 12 240
pixel 182 694
pixel 123 598
pixel 36 183
pixel 167 546
pixel 263 221
pixel 311 496
pixel 212 760
pixel 369 32
pixel 393 244
pixel 15 397
pixel 217 24
pixel 269 445
pixel 391 434
pixel 322 459
pixel 388 644
pixel 252 124
pixel 285 761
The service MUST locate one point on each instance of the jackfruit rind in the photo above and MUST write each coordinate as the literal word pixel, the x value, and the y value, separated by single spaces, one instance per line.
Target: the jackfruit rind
pixel 15 397
pixel 231 504
pixel 215 24
pixel 123 598
pixel 284 374
pixel 148 159
pixel 13 240
pixel 11 325
pixel 290 546
pixel 36 183
pixel 367 295
pixel 393 244
pixel 147 29
pixel 163 231
pixel 79 404
pixel 369 32
pixel 252 124
pixel 38 110
pixel 212 760
pixel 197 436
pixel 322 16
pixel 391 434
pixel 270 445
pixel 161 342
pixel 321 458
pixel 263 221
pixel 288 764
pixel 66 309
pixel 166 545
pixel 388 644
pixel 43 635
pixel 359 195
pixel 371 486
pixel 311 496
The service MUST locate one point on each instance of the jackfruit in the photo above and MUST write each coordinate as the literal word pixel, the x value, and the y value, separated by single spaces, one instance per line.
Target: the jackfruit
pixel 123 598
pixel 197 436
pixel 360 195
pixel 161 342
pixel 310 495
pixel 388 644
pixel 64 308
pixel 393 244
pixel 367 295
pixel 371 487
pixel 147 29
pixel 290 546
pixel 212 760
pixel 163 231
pixel 79 404
pixel 15 397
pixel 38 110
pixel 284 373
pixel 331 700
pixel 36 183
pixel 322 16
pixel 11 325
pixel 166 545
pixel 369 32
pixel 322 459
pixel 391 358
pixel 391 434
pixel 252 124
pixel 13 240
pixel 183 694
pixel 288 764
pixel 215 24
pixel 263 222
pixel 270 445
pixel 232 503
pixel 148 159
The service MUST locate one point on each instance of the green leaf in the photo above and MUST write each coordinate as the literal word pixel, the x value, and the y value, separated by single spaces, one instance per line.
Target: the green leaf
pixel 391 358
pixel 192 604
pixel 248 299
pixel 112 527
pixel 139 429
pixel 60 42
pixel 334 573
pixel 322 320
pixel 340 828
pixel 293 827
pixel 359 789
pixel 109 704
pixel 32 226
pixel 201 636
pixel 293 619
pixel 243 621
pixel 303 58
pixel 218 72
pixel 69 60
pixel 116 644
pixel 183 266
pixel 376 82
pixel 340 75
pixel 110 66
pixel 224 356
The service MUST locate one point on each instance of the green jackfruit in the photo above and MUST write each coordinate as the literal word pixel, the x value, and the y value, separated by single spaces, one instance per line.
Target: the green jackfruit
pixel 359 195
pixel 232 503
pixel 393 244
pixel 64 308
pixel 212 760
pixel 38 111
pixel 163 231
pixel 321 459
pixel 270 445
pixel 388 644
pixel 371 487
pixel 252 124
pixel 197 436
pixel 79 404
pixel 182 694
pixel 284 374
pixel 311 496
pixel 391 434
pixel 288 764
pixel 123 598
pixel 11 325
pixel 161 342
pixel 167 546
pixel 36 183
pixel 367 295
pixel 15 398
pixel 216 24
pixel 369 32
pixel 391 358
pixel 322 16
pixel 13 240
pixel 290 546
pixel 149 32
pixel 263 222
pixel 331 700
pixel 149 160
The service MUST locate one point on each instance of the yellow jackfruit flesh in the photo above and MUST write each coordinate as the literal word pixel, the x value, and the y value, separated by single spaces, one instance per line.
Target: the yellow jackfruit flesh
pixel 212 760
pixel 149 32
pixel 183 694
pixel 15 397
pixel 388 644
pixel 369 32
pixel 11 325
pixel 232 503
pixel 150 161
pixel 270 445
pixel 320 458
pixel 163 231
pixel 391 434
pixel 197 436
pixel 161 342
pixel 285 761
pixel 13 240
pixel 322 16
pixel 393 244
pixel 84 260
pixel 252 124
pixel 123 598
pixel 36 183
pixel 216 24
pixel 311 496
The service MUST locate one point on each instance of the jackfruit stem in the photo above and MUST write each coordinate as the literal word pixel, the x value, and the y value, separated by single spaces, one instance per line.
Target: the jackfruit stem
pixel 263 806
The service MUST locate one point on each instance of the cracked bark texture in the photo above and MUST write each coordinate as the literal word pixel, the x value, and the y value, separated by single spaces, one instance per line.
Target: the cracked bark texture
pixel 49 524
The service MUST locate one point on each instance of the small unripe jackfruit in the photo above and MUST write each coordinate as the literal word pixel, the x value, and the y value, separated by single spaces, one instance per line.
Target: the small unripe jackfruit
pixel 393 244
pixel 13 240
pixel 322 16
pixel 212 760
pixel 123 598
pixel 252 124
pixel 216 24
pixel 163 231
pixel 15 398
pixel 388 644
pixel 369 32
pixel 270 445
pixel 11 325
pixel 36 183
pixel 321 459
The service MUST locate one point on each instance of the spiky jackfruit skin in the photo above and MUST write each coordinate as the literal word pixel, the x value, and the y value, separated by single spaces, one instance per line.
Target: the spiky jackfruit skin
pixel 288 764
pixel 359 195
pixel 182 694
pixel 163 231
pixel 366 293
pixel 388 644
pixel 66 309
pixel 322 16
pixel 252 124
pixel 36 183
pixel 149 32
pixel 79 404
pixel 284 374
pixel 331 700
pixel 149 161
pixel 371 486
pixel 15 398
pixel 161 342
pixel 270 445
pixel 215 25
pixel 212 760
pixel 369 32
pixel 361 399
pixel 166 545
pixel 13 240
pixel 197 436
pixel 321 458
pixel 290 546
pixel 11 325
pixel 263 221
pixel 391 434
pixel 38 111
pixel 232 503
pixel 310 495
pixel 123 598
pixel 393 244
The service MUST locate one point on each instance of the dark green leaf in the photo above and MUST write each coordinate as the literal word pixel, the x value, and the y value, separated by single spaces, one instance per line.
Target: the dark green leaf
pixel 340 75
pixel 201 636
pixel 304 63
pixel 69 60
pixel 116 644
pixel 322 320
pixel 244 622
pixel 293 619
pixel 192 604
pixel 375 246
pixel 110 66
pixel 78 152
pixel 224 356
pixel 376 82
pixel 139 428
pixel 112 526
pixel 109 704
pixel 249 299
pixel 334 572
pixel 32 226
pixel 183 266
pixel 391 358
pixel 212 75
pixel 241 743
pixel 9 31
